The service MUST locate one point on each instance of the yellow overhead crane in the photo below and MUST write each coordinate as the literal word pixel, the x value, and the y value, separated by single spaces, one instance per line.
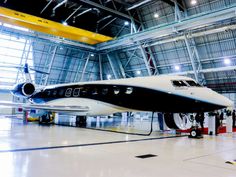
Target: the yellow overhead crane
pixel 50 27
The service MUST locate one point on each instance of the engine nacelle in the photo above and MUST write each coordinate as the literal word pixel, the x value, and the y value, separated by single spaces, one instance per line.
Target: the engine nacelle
pixel 24 89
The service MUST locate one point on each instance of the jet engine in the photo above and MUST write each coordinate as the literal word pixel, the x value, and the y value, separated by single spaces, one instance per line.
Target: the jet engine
pixel 25 89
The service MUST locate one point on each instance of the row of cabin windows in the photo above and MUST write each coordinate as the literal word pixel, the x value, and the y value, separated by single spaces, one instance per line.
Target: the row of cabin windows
pixel 81 91
pixel 185 83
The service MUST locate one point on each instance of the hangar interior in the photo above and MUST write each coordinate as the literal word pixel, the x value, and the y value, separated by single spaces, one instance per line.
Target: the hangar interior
pixel 149 38
pixel 196 38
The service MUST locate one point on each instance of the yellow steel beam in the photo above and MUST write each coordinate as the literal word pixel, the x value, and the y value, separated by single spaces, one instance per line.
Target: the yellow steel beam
pixel 50 27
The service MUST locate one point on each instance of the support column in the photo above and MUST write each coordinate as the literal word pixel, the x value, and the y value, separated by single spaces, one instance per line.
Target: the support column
pixel 100 66
pixel 177 12
pixel 24 57
pixel 77 72
pixel 85 66
pixel 150 60
pixel 50 65
pixel 145 60
pixel 194 58
pixel 112 67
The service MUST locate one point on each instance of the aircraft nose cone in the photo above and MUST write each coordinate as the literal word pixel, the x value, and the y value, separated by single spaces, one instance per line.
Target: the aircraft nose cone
pixel 228 103
pixel 224 101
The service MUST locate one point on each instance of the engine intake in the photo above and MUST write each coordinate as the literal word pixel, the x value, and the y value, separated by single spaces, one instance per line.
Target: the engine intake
pixel 24 89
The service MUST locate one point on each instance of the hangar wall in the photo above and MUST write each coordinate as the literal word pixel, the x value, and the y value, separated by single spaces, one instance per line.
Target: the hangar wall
pixel 64 63
pixel 210 49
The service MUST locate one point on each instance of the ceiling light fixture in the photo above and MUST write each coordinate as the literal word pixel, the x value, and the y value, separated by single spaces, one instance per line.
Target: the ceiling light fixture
pixel 177 67
pixel 156 15
pixel 126 23
pixel 227 61
pixel 193 2
pixel 65 23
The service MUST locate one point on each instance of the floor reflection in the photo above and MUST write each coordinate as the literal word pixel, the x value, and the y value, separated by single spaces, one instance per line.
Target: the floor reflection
pixel 120 124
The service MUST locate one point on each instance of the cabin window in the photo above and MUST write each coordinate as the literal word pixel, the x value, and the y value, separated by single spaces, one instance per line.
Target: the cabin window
pixel 105 91
pixel 76 92
pixel 61 92
pixel 193 83
pixel 54 93
pixel 129 90
pixel 68 92
pixel 95 91
pixel 84 91
pixel 179 83
pixel 49 93
pixel 116 90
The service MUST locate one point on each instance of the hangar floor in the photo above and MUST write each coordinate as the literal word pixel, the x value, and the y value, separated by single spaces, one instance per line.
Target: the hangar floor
pixel 32 150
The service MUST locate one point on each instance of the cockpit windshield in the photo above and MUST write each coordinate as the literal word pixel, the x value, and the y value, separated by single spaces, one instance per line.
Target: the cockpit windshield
pixel 192 83
pixel 185 83
pixel 179 83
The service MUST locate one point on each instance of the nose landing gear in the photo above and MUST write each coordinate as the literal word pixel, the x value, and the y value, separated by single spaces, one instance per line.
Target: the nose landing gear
pixel 195 132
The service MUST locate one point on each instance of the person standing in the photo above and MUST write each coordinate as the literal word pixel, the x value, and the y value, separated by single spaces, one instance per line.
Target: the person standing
pixel 234 117
pixel 201 120
pixel 221 118
pixel 217 123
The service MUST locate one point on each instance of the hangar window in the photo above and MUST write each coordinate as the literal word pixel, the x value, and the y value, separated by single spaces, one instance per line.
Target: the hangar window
pixel 193 83
pixel 68 92
pixel 13 50
pixel 179 83
pixel 76 92
pixel 129 90
pixel 116 90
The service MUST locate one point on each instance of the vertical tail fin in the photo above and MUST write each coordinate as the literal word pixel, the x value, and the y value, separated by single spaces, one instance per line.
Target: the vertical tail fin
pixel 27 74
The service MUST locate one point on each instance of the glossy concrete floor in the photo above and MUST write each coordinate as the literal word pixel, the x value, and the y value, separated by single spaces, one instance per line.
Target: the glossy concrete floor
pixel 56 151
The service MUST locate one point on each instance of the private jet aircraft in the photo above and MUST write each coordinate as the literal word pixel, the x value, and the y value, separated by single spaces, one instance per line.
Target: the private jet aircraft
pixel 172 94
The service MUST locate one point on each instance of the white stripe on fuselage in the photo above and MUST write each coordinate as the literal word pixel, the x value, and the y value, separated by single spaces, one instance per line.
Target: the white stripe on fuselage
pixel 95 107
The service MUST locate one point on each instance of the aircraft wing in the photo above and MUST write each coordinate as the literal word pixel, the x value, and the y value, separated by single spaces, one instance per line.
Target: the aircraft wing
pixel 56 108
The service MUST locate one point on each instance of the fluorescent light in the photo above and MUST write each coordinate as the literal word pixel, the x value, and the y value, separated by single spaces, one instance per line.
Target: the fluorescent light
pixel 177 67
pixel 156 15
pixel 126 23
pixel 193 2
pixel 227 61
pixel 92 55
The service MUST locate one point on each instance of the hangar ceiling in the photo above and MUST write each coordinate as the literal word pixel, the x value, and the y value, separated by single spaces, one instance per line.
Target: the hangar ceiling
pixel 90 15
